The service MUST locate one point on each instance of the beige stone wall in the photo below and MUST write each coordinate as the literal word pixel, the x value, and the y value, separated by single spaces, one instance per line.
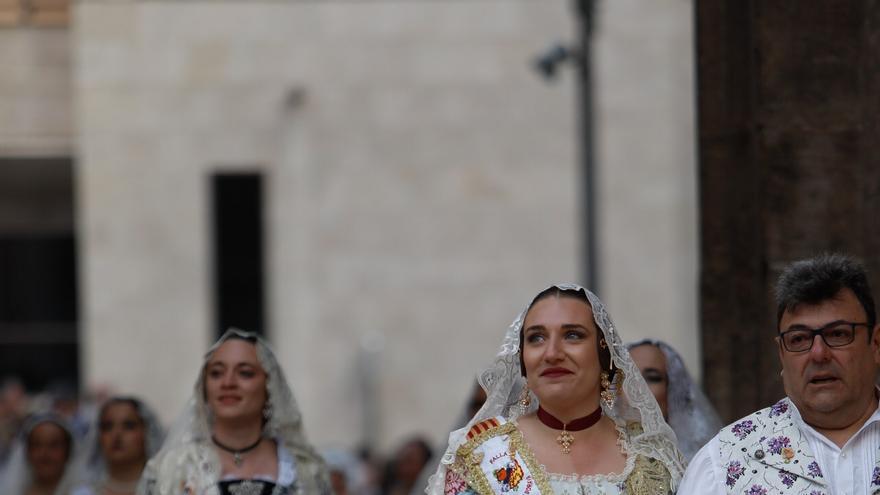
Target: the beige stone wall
pixel 646 146
pixel 421 186
pixel 35 92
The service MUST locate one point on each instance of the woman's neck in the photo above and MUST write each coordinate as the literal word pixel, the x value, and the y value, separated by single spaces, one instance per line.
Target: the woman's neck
pixel 569 412
pixel 44 487
pixel 126 472
pixel 237 434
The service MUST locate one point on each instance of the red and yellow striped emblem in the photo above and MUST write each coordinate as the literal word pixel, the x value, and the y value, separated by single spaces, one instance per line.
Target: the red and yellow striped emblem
pixel 481 427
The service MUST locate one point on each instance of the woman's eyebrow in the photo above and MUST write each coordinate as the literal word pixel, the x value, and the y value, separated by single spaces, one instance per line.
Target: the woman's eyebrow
pixel 574 326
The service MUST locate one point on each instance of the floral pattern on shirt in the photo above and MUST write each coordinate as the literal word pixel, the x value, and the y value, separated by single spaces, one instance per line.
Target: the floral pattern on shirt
pixel 765 453
pixel 734 471
pixel 757 490
pixel 743 428
pixel 776 444
pixel 779 408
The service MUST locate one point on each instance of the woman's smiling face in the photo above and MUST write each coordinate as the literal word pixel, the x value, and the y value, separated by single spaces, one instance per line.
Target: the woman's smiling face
pixel 560 352
pixel 235 382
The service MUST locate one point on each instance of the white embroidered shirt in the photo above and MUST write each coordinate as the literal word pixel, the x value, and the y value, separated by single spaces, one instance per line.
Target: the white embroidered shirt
pixel 760 455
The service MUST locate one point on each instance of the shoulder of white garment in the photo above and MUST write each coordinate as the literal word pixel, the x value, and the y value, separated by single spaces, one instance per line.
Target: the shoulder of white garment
pixel 700 478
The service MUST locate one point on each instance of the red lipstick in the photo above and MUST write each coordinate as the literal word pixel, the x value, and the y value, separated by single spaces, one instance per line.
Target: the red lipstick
pixel 555 372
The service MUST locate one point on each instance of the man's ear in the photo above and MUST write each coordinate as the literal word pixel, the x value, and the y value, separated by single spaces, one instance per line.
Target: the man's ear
pixel 779 348
pixel 875 342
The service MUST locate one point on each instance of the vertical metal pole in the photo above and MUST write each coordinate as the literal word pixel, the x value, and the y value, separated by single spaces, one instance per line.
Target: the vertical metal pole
pixel 585 10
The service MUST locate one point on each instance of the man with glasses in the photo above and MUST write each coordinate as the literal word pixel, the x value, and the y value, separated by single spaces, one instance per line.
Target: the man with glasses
pixel 824 437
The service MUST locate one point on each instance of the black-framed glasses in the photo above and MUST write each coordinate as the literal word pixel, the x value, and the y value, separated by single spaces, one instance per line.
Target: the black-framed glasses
pixel 834 334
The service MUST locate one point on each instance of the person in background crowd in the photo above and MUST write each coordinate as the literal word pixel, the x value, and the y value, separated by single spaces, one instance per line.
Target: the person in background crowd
pixel 684 406
pixel 475 400
pixel 40 457
pixel 13 410
pixel 404 468
pixel 346 476
pixel 241 432
pixel 125 435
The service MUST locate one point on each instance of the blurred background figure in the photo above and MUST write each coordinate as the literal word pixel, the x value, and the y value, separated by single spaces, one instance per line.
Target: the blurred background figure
pixel 124 436
pixel 475 400
pixel 405 467
pixel 64 400
pixel 372 471
pixel 346 472
pixel 13 409
pixel 684 406
pixel 40 457
pixel 241 431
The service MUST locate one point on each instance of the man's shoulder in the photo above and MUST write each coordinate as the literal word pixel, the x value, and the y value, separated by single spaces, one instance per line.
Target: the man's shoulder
pixel 747 426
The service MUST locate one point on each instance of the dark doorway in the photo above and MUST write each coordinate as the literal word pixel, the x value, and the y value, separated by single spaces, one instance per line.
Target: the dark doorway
pixel 38 273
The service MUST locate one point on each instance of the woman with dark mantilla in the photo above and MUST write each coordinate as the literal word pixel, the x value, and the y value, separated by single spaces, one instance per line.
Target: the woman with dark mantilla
pixel 240 433
pixel 567 412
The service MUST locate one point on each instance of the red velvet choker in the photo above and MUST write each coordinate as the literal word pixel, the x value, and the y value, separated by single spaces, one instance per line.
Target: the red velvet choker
pixel 565 439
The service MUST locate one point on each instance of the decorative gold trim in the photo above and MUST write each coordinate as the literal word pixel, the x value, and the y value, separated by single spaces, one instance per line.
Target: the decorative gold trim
pixel 648 477
pixel 519 444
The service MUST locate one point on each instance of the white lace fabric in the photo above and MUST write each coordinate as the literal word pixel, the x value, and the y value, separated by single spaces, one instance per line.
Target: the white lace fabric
pixel 188 462
pixel 691 415
pixel 503 383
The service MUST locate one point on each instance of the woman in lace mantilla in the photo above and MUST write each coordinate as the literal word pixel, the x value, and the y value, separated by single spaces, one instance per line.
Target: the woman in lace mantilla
pixel 40 457
pixel 240 433
pixel 683 404
pixel 124 435
pixel 567 412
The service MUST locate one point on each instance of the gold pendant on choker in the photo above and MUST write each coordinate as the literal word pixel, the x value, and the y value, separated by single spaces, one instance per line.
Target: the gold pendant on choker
pixel 565 439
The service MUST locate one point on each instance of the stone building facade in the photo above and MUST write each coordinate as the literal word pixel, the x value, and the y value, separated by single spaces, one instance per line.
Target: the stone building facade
pixel 418 180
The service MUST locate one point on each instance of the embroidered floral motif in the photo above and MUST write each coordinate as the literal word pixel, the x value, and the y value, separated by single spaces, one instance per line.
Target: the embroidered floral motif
pixel 743 428
pixel 779 408
pixel 776 444
pixel 734 471
pixel 875 478
pixel 787 478
pixel 455 484
pixel 816 492
pixel 788 454
pixel 757 490
pixel 813 469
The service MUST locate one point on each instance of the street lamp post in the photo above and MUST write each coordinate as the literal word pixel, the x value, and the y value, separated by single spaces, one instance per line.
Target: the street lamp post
pixel 581 56
pixel 585 11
